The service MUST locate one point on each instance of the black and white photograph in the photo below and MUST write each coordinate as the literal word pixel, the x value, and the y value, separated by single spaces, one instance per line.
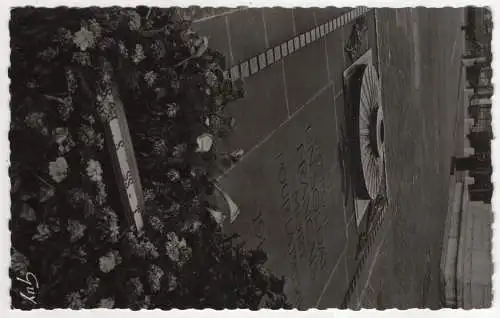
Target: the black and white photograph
pixel 264 157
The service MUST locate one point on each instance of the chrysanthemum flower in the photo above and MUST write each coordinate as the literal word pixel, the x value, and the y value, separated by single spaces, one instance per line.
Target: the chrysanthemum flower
pixel 19 262
pixel 107 303
pixel 94 170
pixel 28 213
pixel 58 169
pixel 156 223
pixel 211 78
pixel 76 230
pixel 84 39
pixel 75 300
pixel 172 110
pixel 172 282
pixel 173 175
pixel 43 232
pixel 36 120
pixel 155 274
pixel 134 22
pixel 138 54
pixel 135 286
pixel 92 284
pixel 179 150
pixel 150 78
pixel 109 261
pixel 177 250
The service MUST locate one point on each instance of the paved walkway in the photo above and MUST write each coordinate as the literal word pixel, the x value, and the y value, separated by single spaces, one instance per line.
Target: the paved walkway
pixel 292 200
pixel 420 68
pixel 289 183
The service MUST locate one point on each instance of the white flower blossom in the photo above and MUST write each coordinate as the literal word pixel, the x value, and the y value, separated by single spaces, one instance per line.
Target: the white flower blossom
pixel 177 250
pixel 63 140
pixel 149 195
pixel 58 169
pixel 76 230
pixel 135 286
pixel 36 120
pixel 43 232
pixel 84 39
pixel 75 300
pixel 175 207
pixel 46 192
pixel 102 193
pixel 109 261
pixel 172 110
pixel 122 48
pixel 156 223
pixel 106 105
pixel 172 282
pixel 150 78
pixel 71 81
pixel 159 147
pixel 237 154
pixel 86 134
pixel 107 303
pixel 95 27
pixel 28 213
pixel 173 175
pixel 94 170
pixel 211 78
pixel 179 150
pixel 205 142
pixel 135 20
pixel 92 284
pixel 138 54
pixel 172 247
pixel 155 275
pixel 82 58
pixel 19 262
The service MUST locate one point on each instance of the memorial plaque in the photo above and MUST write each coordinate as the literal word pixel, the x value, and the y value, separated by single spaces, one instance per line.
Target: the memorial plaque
pixel 289 193
pixel 124 164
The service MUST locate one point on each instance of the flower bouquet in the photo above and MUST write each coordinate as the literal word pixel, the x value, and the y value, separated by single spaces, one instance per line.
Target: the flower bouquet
pixel 68 226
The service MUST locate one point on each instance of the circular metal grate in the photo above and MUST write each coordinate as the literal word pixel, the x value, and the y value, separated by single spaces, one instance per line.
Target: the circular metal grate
pixel 371 131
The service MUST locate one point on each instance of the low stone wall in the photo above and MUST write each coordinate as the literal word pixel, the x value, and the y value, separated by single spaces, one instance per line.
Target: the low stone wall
pixel 451 243
pixel 475 266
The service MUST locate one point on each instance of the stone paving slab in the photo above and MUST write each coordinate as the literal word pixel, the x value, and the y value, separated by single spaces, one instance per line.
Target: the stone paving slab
pixel 261 112
pixel 300 88
pixel 276 170
pixel 247 32
pixel 279 25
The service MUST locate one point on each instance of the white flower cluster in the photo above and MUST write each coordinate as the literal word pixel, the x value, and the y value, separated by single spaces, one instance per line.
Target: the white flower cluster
pixel 142 248
pixel 150 78
pixel 87 36
pixel 94 170
pixel 76 230
pixel 177 250
pixel 138 54
pixel 89 137
pixel 58 169
pixel 43 232
pixel 36 121
pixel 105 104
pixel 109 261
pixel 19 262
pixel 155 274
pixel 172 109
pixel 63 140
